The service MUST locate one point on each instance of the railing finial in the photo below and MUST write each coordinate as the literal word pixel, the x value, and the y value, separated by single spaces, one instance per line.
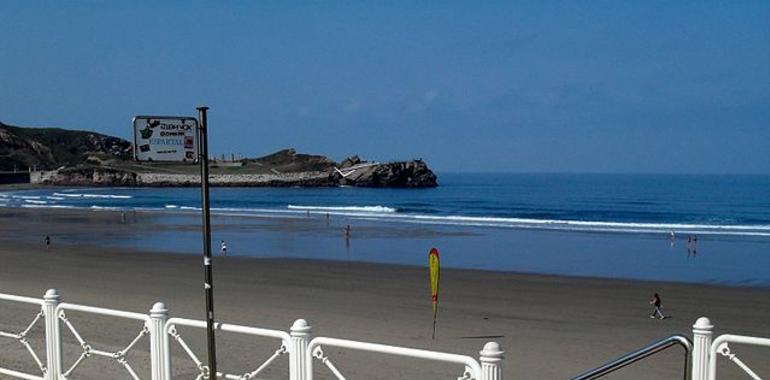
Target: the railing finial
pixel 51 294
pixel 300 327
pixel 159 309
pixel 491 358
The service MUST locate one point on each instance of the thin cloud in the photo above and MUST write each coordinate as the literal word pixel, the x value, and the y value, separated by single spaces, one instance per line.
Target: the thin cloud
pixel 430 95
pixel 353 105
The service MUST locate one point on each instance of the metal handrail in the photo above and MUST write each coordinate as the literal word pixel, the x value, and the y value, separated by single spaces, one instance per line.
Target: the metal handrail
pixel 472 367
pixel 719 346
pixel 635 356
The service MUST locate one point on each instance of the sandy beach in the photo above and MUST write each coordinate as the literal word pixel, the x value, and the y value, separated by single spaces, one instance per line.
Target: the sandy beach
pixel 550 327
pixel 573 163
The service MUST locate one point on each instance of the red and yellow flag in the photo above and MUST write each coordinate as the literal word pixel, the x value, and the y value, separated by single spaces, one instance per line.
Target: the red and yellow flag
pixel 435 272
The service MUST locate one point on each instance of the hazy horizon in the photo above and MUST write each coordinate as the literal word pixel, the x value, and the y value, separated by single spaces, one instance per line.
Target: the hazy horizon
pixel 600 87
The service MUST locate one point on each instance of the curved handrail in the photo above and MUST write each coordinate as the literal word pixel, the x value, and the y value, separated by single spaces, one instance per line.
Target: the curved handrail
pixel 635 356
pixel 228 327
pixel 470 363
pixel 717 346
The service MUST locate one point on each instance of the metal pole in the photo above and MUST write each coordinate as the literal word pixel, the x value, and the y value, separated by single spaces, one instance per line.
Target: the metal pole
pixel 207 267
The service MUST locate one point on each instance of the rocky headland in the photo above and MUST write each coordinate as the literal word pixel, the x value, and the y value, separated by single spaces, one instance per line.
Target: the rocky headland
pixel 80 158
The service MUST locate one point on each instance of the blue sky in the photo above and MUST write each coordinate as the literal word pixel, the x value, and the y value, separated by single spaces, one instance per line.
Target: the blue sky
pixel 662 87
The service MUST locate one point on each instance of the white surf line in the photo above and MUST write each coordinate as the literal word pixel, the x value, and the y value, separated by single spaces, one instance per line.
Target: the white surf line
pixel 372 209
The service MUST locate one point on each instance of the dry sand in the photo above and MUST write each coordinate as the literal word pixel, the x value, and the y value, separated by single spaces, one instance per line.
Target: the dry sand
pixel 550 327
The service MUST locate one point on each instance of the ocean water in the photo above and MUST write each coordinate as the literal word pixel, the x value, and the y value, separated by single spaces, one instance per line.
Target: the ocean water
pixel 590 225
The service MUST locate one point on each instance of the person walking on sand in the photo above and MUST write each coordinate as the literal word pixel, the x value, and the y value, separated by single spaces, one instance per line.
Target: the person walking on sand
pixel 223 248
pixel 47 241
pixel 656 302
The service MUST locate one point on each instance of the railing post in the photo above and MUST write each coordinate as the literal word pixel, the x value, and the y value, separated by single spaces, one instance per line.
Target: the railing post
pixel 491 362
pixel 300 337
pixel 160 356
pixel 701 336
pixel 52 338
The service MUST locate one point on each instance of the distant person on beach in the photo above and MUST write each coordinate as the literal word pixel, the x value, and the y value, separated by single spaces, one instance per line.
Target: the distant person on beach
pixel 656 302
pixel 347 236
pixel 47 241
pixel 692 245
pixel 672 237
pixel 123 217
pixel 223 248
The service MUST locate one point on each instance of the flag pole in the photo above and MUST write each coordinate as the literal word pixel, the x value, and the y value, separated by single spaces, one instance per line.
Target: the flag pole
pixel 435 311
pixel 208 284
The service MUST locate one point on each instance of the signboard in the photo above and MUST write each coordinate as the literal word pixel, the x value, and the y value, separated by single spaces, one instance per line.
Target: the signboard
pixel 165 138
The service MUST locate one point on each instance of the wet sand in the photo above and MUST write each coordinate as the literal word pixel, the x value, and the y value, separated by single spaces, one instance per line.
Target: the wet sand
pixel 720 260
pixel 550 327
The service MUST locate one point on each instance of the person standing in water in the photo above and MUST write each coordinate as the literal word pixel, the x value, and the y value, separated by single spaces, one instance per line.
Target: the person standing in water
pixel 347 236
pixel 694 245
pixel 47 241
pixel 223 248
pixel 656 302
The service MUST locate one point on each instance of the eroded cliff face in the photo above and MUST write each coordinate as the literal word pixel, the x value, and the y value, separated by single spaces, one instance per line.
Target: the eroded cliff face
pixel 408 174
pixel 85 176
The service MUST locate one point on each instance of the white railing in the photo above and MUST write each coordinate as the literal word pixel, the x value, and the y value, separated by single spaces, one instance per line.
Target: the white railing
pixel 203 369
pixel 314 350
pixel 160 329
pixel 706 353
pixel 721 347
pixel 87 350
pixel 21 337
pixel 297 344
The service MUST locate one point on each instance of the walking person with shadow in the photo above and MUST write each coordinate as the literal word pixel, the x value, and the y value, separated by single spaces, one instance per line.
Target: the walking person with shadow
pixel 657 304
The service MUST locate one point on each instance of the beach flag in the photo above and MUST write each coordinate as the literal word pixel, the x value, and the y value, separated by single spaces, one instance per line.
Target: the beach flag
pixel 433 266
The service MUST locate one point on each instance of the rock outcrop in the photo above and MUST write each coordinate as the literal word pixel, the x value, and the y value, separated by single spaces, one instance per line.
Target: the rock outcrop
pixel 410 174
pixel 82 158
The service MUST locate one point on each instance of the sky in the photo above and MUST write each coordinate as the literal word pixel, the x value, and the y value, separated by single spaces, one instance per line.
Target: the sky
pixel 541 86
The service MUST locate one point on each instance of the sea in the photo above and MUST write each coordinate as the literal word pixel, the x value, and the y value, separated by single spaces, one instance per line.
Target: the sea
pixel 712 229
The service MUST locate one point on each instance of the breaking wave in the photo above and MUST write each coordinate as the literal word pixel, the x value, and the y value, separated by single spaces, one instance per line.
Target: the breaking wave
pixel 98 196
pixel 370 209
